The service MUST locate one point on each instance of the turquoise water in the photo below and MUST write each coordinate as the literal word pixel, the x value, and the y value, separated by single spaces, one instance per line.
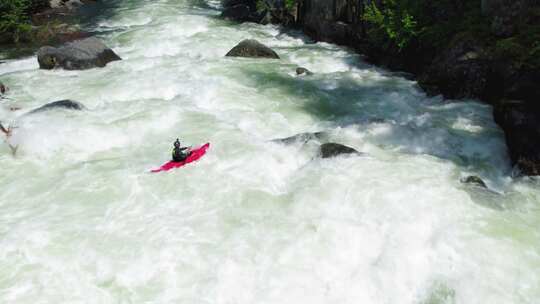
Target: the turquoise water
pixel 81 220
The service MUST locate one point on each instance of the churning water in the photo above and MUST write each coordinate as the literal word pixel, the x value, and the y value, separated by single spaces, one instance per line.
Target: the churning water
pixel 254 221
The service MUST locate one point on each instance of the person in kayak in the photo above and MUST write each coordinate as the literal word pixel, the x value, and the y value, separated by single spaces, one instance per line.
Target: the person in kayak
pixel 179 153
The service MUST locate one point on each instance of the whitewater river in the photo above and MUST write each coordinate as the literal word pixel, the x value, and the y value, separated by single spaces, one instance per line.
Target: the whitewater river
pixel 254 221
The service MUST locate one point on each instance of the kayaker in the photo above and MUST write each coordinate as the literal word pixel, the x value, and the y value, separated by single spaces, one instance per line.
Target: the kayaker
pixel 179 154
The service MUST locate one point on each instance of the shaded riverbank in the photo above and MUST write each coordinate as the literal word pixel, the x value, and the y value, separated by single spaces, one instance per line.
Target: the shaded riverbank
pixel 464 49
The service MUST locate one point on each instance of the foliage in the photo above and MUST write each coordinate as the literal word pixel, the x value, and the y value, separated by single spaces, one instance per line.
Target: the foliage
pixel 14 19
pixel 394 20
pixel 290 4
pixel 262 6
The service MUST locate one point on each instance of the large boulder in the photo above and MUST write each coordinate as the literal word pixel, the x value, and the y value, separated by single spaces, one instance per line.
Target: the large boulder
pixel 78 55
pixel 329 150
pixel 61 104
pixel 252 48
pixel 520 121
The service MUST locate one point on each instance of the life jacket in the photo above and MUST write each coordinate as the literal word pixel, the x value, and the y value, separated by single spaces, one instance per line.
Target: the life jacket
pixel 178 154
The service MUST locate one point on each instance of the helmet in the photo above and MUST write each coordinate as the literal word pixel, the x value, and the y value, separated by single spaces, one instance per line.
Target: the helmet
pixel 177 143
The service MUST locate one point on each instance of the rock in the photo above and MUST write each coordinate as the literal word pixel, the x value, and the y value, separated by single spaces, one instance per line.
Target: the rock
pixel 3 88
pixel 332 149
pixel 78 55
pixel 277 13
pixel 506 14
pixel 264 12
pixel 239 12
pixel 474 180
pixel 231 3
pixel 63 104
pixel 302 138
pixel 252 48
pixel 57 33
pixel 67 4
pixel 330 20
pixel 461 71
pixel 520 121
pixel 303 71
pixel 57 10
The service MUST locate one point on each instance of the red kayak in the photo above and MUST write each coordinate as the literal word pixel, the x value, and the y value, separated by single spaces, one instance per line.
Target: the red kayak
pixel 195 155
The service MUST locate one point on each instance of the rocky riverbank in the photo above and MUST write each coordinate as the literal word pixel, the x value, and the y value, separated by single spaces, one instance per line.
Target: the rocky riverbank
pixel 461 49
pixel 30 24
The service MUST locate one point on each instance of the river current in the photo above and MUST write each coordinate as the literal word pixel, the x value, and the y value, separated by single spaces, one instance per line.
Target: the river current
pixel 254 221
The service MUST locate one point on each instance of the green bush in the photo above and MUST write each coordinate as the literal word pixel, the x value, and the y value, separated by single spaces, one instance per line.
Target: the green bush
pixel 394 20
pixel 14 19
pixel 290 4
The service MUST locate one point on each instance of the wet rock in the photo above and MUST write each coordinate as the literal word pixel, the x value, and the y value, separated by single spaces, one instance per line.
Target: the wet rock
pixel 78 55
pixel 61 104
pixel 303 71
pixel 520 121
pixel 474 180
pixel 253 49
pixel 240 12
pixel 3 88
pixel 332 150
pixel 302 138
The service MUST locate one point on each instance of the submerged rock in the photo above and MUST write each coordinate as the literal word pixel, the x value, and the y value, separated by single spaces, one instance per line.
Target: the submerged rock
pixel 474 180
pixel 253 49
pixel 302 138
pixel 3 88
pixel 63 104
pixel 332 149
pixel 78 55
pixel 303 71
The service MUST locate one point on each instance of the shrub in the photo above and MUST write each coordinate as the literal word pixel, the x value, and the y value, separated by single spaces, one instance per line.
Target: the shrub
pixel 14 19
pixel 394 20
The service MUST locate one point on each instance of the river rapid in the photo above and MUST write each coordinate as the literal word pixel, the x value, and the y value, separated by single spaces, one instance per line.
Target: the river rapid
pixel 254 221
